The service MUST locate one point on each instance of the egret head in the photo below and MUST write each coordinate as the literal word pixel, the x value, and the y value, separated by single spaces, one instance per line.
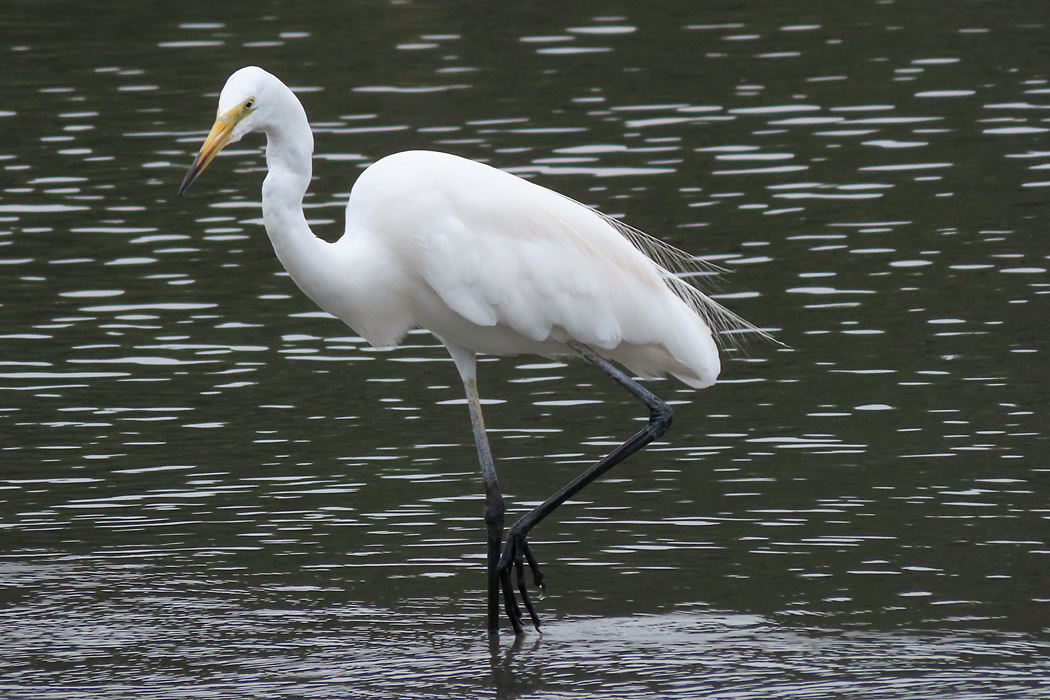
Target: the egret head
pixel 243 106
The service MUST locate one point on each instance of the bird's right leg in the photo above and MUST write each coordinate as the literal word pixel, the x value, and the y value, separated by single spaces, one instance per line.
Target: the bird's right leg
pixel 494 506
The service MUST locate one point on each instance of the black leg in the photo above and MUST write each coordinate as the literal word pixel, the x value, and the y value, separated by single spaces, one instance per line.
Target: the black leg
pixel 494 507
pixel 516 548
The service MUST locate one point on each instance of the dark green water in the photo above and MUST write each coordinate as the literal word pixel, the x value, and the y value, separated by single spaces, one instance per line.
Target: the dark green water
pixel 208 488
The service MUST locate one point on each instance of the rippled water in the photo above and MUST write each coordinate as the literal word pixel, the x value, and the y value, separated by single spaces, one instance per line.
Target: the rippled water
pixel 208 488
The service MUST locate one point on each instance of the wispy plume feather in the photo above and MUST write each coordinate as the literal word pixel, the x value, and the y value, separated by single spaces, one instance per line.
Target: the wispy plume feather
pixel 684 274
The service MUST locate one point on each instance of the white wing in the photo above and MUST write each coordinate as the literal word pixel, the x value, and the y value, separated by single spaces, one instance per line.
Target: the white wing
pixel 497 260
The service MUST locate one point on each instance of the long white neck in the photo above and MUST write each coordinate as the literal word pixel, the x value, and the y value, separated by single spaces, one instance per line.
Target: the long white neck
pixel 341 277
pixel 289 150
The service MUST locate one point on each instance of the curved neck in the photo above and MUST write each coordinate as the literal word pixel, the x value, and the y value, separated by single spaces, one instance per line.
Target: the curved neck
pixel 289 149
pixel 282 204
pixel 337 276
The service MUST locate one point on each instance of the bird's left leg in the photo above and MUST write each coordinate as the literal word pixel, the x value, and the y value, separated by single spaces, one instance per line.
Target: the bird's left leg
pixel 516 548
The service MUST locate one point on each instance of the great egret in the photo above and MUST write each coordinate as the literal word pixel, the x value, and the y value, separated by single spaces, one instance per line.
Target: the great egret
pixel 488 262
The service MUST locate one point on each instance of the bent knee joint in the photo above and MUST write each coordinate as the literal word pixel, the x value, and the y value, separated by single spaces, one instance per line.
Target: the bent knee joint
pixel 660 418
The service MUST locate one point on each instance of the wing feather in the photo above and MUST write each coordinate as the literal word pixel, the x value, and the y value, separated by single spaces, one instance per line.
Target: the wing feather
pixel 504 253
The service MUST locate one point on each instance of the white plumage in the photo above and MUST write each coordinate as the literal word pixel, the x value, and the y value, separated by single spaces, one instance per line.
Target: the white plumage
pixel 484 259
pixel 487 261
pixel 497 264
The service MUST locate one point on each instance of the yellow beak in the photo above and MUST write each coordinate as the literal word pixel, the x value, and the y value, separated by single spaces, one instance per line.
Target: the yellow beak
pixel 217 139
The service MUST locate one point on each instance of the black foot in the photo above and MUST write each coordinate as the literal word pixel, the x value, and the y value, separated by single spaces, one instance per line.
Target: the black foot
pixel 516 552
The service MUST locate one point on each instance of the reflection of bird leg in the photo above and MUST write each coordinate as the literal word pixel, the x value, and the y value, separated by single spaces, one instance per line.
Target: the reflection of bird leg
pixel 516 547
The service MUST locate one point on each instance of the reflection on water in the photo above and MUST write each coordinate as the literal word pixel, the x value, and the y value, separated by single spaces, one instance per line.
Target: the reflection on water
pixel 140 629
pixel 206 483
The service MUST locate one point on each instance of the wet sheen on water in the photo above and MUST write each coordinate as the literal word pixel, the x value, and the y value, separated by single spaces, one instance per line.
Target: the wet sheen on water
pixel 209 488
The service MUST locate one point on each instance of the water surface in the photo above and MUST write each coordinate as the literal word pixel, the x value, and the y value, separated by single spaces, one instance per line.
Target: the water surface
pixel 211 489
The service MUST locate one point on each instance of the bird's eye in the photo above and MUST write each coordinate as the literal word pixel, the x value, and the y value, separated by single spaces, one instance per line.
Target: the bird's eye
pixel 249 104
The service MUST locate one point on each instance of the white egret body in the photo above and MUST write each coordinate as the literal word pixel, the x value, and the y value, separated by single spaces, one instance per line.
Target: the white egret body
pixel 486 261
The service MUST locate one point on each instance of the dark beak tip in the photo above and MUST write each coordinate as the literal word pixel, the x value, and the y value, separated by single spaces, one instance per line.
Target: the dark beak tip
pixel 188 180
